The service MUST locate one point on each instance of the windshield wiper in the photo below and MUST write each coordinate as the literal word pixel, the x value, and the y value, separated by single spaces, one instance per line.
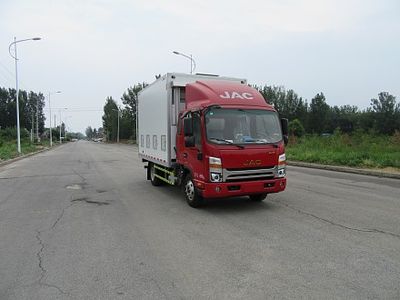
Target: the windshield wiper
pixel 227 142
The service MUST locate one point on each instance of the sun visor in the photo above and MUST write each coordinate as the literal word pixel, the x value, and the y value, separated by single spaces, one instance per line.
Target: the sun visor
pixel 205 93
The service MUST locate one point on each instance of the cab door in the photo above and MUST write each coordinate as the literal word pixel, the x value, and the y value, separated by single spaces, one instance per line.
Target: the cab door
pixel 191 143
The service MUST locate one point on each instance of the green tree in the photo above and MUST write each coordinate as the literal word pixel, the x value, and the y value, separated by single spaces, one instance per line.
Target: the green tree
pixel 89 132
pixel 296 128
pixel 29 104
pixel 345 117
pixel 33 112
pixel 288 104
pixel 385 112
pixel 127 125
pixel 128 129
pixel 110 119
pixel 319 114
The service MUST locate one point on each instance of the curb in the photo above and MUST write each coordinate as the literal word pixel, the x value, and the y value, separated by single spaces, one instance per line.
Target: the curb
pixel 10 161
pixel 345 169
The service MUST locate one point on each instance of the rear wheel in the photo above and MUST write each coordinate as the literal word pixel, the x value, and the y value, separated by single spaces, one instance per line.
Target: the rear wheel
pixel 154 180
pixel 258 197
pixel 193 198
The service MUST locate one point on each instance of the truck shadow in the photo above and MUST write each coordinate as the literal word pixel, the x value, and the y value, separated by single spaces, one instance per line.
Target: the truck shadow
pixel 222 205
pixel 236 204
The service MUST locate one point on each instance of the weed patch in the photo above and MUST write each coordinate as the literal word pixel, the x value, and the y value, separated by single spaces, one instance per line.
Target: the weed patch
pixel 358 150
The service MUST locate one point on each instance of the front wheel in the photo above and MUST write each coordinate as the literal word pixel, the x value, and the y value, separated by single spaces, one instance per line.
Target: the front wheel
pixel 193 198
pixel 154 180
pixel 258 197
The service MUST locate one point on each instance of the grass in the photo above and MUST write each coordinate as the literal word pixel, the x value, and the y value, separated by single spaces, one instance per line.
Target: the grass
pixel 8 149
pixel 357 150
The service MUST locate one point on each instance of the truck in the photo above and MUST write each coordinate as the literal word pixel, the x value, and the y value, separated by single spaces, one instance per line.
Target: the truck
pixel 211 135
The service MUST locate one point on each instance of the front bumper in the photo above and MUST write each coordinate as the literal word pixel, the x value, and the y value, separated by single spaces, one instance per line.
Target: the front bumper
pixel 231 189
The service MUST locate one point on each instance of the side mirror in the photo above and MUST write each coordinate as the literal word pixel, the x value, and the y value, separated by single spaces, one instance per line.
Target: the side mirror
pixel 285 127
pixel 187 127
pixel 286 139
pixel 285 130
pixel 189 141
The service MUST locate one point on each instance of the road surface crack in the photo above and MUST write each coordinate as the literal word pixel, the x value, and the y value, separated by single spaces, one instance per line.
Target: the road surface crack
pixel 367 230
pixel 43 271
pixel 60 216
pixel 85 199
pixel 83 178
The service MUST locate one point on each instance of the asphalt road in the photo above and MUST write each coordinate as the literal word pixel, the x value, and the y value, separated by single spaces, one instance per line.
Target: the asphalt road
pixel 81 222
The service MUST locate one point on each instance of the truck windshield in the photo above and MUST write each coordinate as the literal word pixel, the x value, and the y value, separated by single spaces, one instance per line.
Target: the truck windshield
pixel 242 126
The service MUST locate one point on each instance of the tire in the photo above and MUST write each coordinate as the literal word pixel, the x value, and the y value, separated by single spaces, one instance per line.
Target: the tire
pixel 258 197
pixel 152 171
pixel 192 196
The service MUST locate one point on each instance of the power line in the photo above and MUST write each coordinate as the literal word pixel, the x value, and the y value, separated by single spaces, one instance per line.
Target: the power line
pixel 6 75
pixel 5 68
pixel 11 77
pixel 76 109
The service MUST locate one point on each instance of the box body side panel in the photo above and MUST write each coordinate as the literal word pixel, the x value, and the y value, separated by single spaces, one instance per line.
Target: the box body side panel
pixel 153 123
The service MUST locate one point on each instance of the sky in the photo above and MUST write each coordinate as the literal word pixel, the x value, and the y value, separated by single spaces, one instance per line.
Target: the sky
pixel 92 49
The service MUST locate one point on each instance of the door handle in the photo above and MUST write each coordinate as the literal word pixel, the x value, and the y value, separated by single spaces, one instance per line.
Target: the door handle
pixel 185 155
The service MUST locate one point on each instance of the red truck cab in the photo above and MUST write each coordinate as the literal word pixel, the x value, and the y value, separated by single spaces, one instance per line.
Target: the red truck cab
pixel 229 142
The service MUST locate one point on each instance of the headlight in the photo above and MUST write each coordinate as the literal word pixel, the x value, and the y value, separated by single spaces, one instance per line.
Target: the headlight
pixel 282 159
pixel 281 166
pixel 215 177
pixel 215 166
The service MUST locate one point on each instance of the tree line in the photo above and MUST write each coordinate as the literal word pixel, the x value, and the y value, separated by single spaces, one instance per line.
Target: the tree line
pixel 31 116
pixel 31 105
pixel 316 117
pixel 382 117
pixel 93 133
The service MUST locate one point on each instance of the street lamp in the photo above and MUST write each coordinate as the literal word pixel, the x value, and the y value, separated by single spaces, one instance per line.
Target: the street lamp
pixel 16 82
pixel 51 133
pixel 66 128
pixel 117 110
pixel 59 111
pixel 192 62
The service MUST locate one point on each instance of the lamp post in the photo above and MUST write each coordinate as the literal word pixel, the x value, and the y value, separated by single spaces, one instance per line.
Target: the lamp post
pixel 192 62
pixel 16 82
pixel 117 110
pixel 51 128
pixel 59 111
pixel 66 128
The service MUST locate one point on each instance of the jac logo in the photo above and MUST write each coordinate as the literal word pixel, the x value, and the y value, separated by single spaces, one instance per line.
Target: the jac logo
pixel 236 95
pixel 252 163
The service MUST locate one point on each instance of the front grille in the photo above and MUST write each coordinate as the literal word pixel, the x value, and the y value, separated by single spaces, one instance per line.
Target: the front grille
pixel 245 169
pixel 230 175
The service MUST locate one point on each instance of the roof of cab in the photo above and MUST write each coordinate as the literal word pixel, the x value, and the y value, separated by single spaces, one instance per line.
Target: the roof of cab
pixel 203 93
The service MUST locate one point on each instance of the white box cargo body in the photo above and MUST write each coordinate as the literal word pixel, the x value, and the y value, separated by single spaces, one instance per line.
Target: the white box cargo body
pixel 158 108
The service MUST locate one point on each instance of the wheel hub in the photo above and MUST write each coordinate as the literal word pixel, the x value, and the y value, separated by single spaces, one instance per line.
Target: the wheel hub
pixel 189 189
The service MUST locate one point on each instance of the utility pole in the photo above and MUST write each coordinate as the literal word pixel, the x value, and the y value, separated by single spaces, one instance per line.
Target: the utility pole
pixel 118 128
pixel 32 126
pixel 51 129
pixel 15 57
pixel 61 123
pixel 37 119
pixel 60 127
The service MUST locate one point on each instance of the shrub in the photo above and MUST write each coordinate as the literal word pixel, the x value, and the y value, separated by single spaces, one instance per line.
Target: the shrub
pixel 396 138
pixel 10 133
pixel 296 128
